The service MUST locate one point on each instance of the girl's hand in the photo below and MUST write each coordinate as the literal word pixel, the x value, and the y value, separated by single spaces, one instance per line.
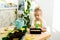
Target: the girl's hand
pixel 43 29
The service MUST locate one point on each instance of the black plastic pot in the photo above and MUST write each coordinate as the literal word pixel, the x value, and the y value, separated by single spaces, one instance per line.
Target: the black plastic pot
pixel 35 31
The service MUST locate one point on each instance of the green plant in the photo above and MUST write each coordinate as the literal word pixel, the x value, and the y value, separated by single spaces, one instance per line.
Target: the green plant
pixel 26 14
pixel 16 13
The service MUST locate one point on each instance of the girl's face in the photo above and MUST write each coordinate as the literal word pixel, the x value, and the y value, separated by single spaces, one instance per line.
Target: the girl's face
pixel 38 14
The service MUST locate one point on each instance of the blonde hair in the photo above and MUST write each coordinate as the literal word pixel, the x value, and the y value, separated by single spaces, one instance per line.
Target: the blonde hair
pixel 37 9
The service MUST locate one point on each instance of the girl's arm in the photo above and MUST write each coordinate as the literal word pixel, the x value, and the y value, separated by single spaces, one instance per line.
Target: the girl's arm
pixel 44 26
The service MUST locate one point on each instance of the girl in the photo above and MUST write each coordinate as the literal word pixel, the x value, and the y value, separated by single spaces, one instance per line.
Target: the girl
pixel 38 19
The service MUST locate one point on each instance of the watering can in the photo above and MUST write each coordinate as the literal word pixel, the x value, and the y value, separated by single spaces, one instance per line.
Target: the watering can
pixel 19 23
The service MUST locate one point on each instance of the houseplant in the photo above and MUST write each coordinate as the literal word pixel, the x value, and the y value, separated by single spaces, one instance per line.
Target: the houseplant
pixel 26 14
pixel 26 19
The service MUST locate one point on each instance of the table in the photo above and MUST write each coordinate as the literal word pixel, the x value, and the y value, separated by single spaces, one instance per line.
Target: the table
pixel 5 30
pixel 42 36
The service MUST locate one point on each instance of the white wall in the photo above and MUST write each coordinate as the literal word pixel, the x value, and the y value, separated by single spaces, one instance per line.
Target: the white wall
pixel 47 8
pixel 56 21
pixel 6 17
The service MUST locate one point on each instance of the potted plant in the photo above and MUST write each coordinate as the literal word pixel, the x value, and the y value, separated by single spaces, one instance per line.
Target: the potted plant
pixel 25 16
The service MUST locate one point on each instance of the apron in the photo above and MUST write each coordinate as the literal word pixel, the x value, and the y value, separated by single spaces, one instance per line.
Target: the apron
pixel 39 25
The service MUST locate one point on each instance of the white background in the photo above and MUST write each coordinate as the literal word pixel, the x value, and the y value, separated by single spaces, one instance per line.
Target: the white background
pixel 51 12
pixel 47 8
pixel 56 21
